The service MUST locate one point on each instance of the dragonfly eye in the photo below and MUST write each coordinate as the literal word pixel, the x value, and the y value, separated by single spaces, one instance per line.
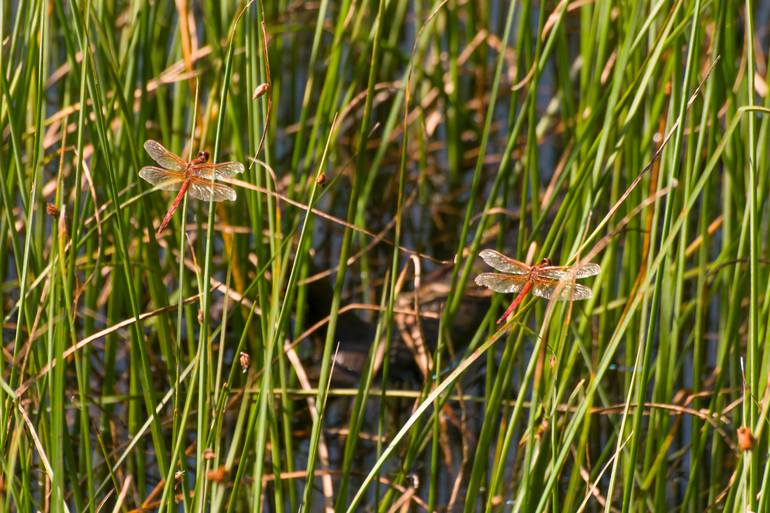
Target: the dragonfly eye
pixel 203 155
pixel 546 261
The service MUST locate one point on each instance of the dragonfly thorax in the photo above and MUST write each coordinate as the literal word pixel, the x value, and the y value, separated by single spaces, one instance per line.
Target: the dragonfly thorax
pixel 545 262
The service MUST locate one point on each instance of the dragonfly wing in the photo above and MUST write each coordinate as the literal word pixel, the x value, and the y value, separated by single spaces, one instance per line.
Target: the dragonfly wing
pixel 207 190
pixel 162 179
pixel 569 273
pixel 503 263
pixel 584 271
pixel 561 290
pixel 162 156
pixel 503 283
pixel 221 170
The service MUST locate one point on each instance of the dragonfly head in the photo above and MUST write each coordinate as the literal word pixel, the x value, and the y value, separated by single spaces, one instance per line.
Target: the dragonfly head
pixel 203 156
pixel 546 262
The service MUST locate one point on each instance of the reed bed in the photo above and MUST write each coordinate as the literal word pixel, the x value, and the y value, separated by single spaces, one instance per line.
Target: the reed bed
pixel 319 344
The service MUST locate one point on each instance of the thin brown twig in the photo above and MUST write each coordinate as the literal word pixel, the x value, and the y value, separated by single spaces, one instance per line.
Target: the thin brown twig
pixel 329 217
pixel 96 336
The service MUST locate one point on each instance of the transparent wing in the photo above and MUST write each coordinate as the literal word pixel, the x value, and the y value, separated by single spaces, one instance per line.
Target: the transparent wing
pixel 207 190
pixel 162 156
pixel 564 273
pixel 503 263
pixel 561 290
pixel 503 283
pixel 221 170
pixel 162 179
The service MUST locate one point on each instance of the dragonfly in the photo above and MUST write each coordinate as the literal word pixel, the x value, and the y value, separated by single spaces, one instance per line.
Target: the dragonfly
pixel 542 279
pixel 195 177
